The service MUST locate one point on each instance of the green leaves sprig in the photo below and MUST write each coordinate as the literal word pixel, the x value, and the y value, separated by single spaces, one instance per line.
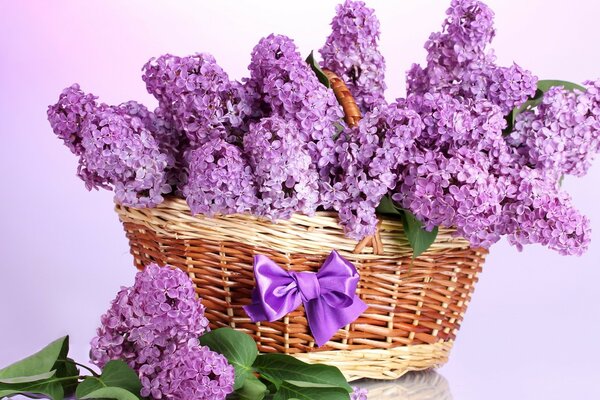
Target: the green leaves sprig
pixel 51 374
pixel 275 376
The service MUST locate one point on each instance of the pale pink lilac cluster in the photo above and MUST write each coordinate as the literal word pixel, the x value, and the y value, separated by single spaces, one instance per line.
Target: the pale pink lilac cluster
pixel 352 52
pixel 154 326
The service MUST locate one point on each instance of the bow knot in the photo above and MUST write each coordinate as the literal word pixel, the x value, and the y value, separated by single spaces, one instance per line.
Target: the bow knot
pixel 329 296
pixel 308 284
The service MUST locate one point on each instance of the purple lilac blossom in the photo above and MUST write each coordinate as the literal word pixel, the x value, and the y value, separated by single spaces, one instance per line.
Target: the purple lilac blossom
pixel 150 320
pixel 358 393
pixel 286 179
pixel 459 65
pixel 562 134
pixel 120 153
pixel 366 157
pixel 191 372
pixel 537 211
pixel 283 84
pixel 69 113
pixel 220 180
pixel 116 147
pixel 446 180
pixel 352 52
pixel 199 97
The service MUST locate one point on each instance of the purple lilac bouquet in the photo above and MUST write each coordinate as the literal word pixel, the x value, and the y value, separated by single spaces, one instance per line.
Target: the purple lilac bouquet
pixel 475 146
pixel 154 326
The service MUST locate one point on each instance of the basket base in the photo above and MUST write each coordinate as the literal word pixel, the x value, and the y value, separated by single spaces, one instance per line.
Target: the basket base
pixel 383 364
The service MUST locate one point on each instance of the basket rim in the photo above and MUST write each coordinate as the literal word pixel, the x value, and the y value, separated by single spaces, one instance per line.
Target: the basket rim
pixel 303 234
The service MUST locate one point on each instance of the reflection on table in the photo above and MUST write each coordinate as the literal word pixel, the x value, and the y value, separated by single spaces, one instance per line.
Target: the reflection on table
pixel 426 385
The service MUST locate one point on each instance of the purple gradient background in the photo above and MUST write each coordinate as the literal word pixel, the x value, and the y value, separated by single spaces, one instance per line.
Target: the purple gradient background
pixel 533 328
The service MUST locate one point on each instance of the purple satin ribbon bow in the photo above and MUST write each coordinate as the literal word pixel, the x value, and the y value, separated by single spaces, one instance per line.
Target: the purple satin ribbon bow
pixel 329 296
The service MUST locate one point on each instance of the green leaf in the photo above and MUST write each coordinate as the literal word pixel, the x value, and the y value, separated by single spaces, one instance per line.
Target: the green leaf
pixel 65 367
pixel 287 368
pixel 545 85
pixel 317 70
pixel 253 389
pixel 238 347
pixel 39 363
pixel 116 374
pixel 111 393
pixel 47 388
pixel 418 237
pixel 303 391
pixel 31 378
pixel 387 206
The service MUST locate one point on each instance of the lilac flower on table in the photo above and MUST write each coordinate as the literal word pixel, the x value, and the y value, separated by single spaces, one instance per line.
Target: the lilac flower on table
pixel 192 372
pixel 154 326
pixel 286 179
pixel 220 180
pixel 358 393
pixel 352 52
pixel 158 314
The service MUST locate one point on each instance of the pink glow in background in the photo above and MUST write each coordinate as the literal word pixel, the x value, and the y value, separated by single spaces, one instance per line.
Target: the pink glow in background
pixel 533 328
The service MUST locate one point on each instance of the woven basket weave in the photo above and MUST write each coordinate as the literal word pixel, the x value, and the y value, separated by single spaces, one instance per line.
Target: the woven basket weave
pixel 415 305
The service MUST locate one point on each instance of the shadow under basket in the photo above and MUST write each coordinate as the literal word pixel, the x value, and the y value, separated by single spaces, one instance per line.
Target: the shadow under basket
pixel 415 305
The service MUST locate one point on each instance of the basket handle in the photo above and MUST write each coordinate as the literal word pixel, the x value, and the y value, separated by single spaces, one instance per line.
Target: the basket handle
pixel 352 115
pixel 351 111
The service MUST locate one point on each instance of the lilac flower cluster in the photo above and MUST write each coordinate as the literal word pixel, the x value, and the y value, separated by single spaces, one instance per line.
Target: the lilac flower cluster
pixel 459 65
pixel 116 149
pixel 198 96
pixel 563 133
pixel 286 179
pixel 220 180
pixel 352 52
pixel 446 180
pixel 365 159
pixel 358 393
pixel 283 84
pixel 191 373
pixel 276 143
pixel 154 326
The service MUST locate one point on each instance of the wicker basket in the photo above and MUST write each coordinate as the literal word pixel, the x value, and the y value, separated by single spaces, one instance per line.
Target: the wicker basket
pixel 415 306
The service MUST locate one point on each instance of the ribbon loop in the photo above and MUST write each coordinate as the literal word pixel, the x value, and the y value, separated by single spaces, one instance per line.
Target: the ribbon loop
pixel 329 296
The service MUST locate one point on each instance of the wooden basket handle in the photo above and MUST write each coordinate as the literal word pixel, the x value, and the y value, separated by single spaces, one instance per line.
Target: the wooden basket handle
pixel 344 97
pixel 352 115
